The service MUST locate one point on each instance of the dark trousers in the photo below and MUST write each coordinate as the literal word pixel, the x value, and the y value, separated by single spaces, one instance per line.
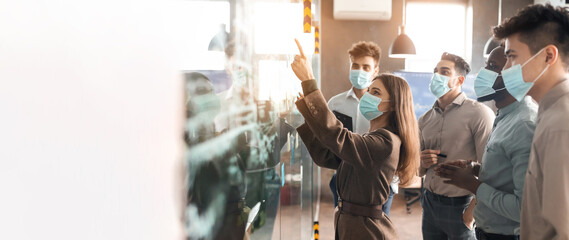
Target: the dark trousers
pixel 442 217
pixel 386 207
pixel 481 235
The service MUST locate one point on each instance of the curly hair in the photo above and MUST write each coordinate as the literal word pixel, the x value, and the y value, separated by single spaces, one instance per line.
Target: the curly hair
pixel 538 25
pixel 460 65
pixel 366 49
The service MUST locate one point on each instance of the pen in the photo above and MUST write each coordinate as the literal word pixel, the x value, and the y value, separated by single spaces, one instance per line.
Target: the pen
pixel 442 155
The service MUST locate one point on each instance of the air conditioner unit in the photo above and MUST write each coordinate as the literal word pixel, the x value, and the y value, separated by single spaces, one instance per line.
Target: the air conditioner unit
pixel 362 9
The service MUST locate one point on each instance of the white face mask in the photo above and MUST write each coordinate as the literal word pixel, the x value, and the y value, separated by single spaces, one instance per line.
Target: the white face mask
pixel 439 85
pixel 360 79
pixel 514 80
pixel 369 106
pixel 484 82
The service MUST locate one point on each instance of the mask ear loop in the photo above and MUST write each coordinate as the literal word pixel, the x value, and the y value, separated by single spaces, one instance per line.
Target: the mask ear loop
pixel 532 57
pixel 542 72
pixel 450 89
pixel 499 89
pixel 383 101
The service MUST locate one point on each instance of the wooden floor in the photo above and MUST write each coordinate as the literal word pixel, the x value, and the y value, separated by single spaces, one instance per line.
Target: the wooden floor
pixel 408 225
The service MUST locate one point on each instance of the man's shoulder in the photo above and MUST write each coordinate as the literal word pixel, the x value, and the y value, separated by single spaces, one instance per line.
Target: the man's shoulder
pixel 425 116
pixel 338 98
pixel 556 117
pixel 527 112
pixel 471 103
pixel 476 109
pixel 340 95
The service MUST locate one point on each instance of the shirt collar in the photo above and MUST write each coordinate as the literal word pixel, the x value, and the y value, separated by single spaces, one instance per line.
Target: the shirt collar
pixel 510 108
pixel 351 93
pixel 459 100
pixel 553 95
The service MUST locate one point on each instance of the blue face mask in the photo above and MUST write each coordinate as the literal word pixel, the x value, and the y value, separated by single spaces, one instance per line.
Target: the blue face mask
pixel 484 82
pixel 369 106
pixel 360 79
pixel 439 85
pixel 514 80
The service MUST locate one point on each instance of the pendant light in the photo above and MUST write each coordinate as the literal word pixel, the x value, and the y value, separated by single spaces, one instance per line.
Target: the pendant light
pixel 492 42
pixel 402 46
pixel 219 41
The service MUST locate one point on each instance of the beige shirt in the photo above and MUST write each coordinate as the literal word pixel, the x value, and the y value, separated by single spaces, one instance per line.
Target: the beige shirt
pixel 545 203
pixel 459 132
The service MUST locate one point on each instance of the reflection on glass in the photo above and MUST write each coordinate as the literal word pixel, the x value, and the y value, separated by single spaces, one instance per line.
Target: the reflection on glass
pixel 248 175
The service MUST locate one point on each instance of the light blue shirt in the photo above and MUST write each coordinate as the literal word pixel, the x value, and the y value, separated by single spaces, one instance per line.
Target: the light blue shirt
pixel 504 166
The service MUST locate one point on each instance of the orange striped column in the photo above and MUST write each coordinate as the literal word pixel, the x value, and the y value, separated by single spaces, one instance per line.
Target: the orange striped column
pixel 316 38
pixel 316 230
pixel 307 16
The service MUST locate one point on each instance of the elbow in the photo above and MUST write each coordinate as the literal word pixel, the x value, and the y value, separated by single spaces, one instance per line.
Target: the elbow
pixel 515 214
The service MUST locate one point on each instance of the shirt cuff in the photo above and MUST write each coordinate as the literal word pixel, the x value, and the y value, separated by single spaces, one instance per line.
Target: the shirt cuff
pixel 309 86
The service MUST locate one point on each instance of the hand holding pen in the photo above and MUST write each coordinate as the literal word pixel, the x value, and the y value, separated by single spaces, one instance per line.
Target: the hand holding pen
pixel 430 157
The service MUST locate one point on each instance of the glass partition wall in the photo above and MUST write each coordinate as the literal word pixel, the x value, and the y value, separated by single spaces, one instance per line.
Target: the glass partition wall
pixel 248 175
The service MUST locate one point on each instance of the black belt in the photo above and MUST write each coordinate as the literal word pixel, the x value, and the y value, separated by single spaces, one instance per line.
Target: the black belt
pixel 373 211
pixel 481 235
pixel 454 201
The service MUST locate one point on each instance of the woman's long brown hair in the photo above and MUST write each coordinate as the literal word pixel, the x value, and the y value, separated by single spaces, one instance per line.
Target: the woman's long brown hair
pixel 403 120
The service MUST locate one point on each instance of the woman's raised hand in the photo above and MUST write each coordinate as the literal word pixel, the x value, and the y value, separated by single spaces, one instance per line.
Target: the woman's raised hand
pixel 300 66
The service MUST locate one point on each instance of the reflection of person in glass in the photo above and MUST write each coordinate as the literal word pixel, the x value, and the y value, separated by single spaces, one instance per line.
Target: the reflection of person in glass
pixel 260 134
pixel 365 163
pixel 202 105
pixel 215 208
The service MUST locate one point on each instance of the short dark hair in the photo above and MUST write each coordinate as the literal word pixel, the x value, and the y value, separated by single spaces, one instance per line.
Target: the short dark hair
pixel 366 49
pixel 539 25
pixel 460 65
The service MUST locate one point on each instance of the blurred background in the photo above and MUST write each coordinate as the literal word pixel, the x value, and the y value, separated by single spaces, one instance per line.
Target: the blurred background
pixel 175 119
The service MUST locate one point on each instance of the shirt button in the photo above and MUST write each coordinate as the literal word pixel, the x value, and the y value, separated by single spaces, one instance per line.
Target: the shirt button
pixel 315 112
pixel 312 107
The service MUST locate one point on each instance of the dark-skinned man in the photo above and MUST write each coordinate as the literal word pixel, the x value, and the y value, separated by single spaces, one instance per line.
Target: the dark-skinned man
pixel 501 174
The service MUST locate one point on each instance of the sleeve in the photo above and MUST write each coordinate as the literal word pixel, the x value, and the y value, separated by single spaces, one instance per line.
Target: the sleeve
pixel 555 195
pixel 321 155
pixel 482 127
pixel 309 86
pixel 350 147
pixel 518 149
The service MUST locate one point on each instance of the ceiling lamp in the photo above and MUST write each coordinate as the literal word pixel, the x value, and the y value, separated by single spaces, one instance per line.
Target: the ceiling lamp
pixel 219 41
pixel 402 46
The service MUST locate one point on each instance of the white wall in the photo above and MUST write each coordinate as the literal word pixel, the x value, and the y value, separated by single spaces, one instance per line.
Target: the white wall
pixel 90 120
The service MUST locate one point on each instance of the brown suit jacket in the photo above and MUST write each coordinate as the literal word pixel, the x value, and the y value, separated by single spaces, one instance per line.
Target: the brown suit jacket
pixel 365 165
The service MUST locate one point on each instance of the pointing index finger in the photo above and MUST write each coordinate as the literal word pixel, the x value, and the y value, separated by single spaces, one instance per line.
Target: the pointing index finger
pixel 299 47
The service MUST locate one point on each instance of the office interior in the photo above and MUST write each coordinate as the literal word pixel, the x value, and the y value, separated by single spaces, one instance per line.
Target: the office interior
pixel 108 124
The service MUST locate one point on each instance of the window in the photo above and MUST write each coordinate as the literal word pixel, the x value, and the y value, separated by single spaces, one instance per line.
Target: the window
pixel 276 26
pixel 196 37
pixel 436 28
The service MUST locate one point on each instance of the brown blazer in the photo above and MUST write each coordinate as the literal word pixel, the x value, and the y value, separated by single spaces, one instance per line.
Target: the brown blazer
pixel 365 165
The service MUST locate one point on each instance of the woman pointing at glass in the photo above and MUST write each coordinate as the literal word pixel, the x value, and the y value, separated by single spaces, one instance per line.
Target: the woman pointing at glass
pixel 365 163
